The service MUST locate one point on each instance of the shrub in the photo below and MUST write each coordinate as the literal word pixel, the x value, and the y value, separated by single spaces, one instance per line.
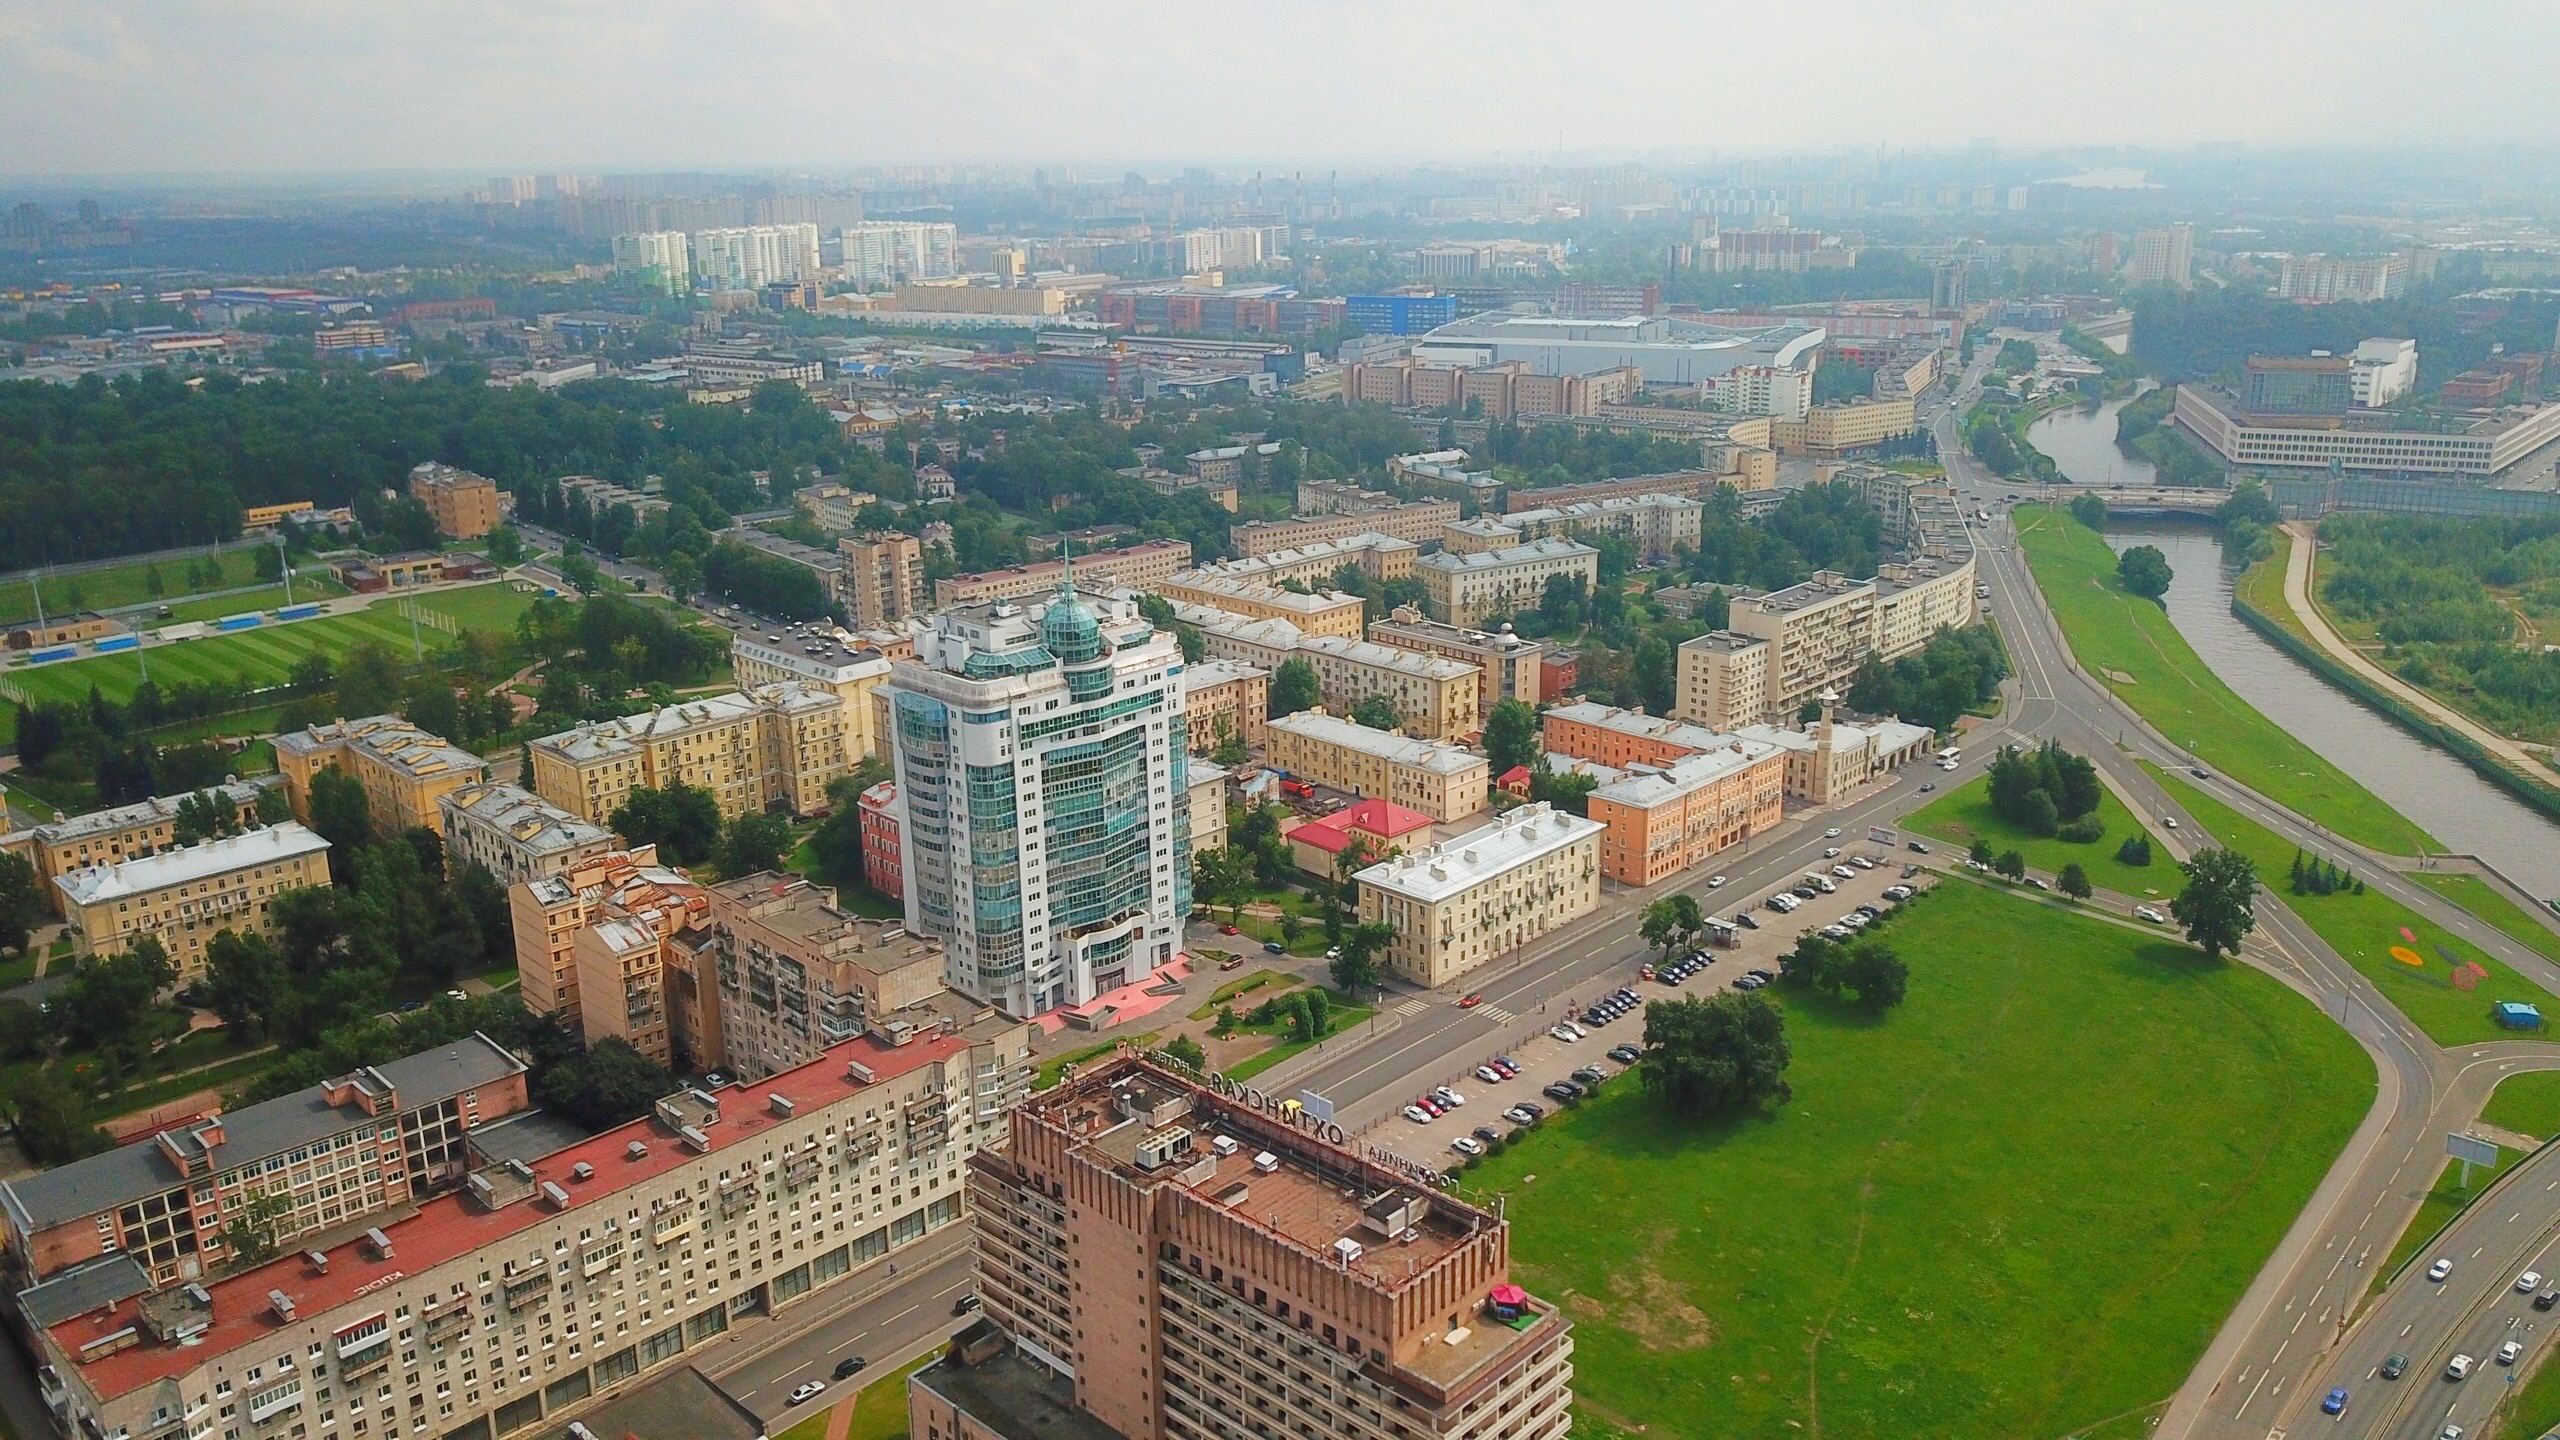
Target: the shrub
pixel 2136 850
pixel 2087 830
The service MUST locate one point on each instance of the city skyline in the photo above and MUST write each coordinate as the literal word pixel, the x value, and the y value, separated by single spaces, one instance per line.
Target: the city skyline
pixel 286 88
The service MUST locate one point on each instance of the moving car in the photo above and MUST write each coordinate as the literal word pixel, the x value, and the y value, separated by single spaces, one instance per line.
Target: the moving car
pixel 1928 785
pixel 2546 1299
pixel 1917 848
pixel 1470 1001
pixel 2528 1282
pixel 2508 1352
pixel 2334 1402
pixel 1715 882
pixel 2395 1367
pixel 961 1306
pixel 2439 1270
pixel 2145 912
pixel 852 1364
pixel 1831 852
pixel 2458 1366
pixel 2169 820
pixel 1274 947
pixel 1831 834
pixel 806 1391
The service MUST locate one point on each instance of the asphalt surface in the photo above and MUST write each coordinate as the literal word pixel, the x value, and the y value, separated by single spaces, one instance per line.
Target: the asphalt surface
pixel 889 1320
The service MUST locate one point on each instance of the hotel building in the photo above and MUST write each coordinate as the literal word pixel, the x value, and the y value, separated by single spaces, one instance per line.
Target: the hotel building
pixel 1456 905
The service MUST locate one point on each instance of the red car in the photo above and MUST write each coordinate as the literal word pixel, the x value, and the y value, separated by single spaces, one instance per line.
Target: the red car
pixel 1470 1002
pixel 1227 930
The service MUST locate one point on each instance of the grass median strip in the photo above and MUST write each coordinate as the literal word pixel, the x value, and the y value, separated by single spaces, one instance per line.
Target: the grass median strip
pixel 2019 1204
pixel 2442 1203
pixel 2477 896
pixel 2367 929
pixel 2115 633
pixel 2528 1104
pixel 1964 815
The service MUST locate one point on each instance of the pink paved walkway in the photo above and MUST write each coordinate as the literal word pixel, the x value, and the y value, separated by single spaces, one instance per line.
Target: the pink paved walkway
pixel 1131 1000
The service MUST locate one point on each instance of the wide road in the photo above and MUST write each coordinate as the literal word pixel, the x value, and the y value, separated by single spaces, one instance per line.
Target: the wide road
pixel 2270 1364
pixel 891 1319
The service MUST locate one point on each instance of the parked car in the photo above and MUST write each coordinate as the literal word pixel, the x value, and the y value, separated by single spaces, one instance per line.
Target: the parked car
pixel 1562 1090
pixel 807 1391
pixel 1590 1075
pixel 1862 862
pixel 1486 1133
pixel 1763 976
pixel 1897 892
pixel 1488 1075
pixel 1834 932
pixel 2037 884
pixel 1521 1115
pixel 1625 1054
pixel 1743 919
pixel 1508 1066
pixel 1467 1145
pixel 1274 947
pixel 1228 930
pixel 1748 982
pixel 1449 1099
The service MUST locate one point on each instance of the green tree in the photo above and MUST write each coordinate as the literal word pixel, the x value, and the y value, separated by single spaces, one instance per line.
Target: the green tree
pixel 368 682
pixel 341 815
pixel 683 821
pixel 246 982
pixel 1319 1013
pixel 506 547
pixel 1187 1050
pixel 1704 1055
pixel 203 815
pixel 52 1124
pixel 251 1237
pixel 1293 687
pixel 110 997
pixel 610 1084
pixel 1356 968
pixel 754 843
pixel 1660 928
pixel 1511 736
pixel 2074 881
pixel 2011 864
pixel 2136 851
pixel 1980 854
pixel 2218 907
pixel 1877 974
pixel 22 901
pixel 2089 510
pixel 1292 925
pixel 2144 571
pixel 1377 712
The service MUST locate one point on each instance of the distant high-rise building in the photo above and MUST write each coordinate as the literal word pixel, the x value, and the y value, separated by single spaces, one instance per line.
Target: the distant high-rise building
pixel 2384 370
pixel 2164 257
pixel 2321 280
pixel 888 252
pixel 750 257
pixel 1948 281
pixel 1040 762
pixel 659 258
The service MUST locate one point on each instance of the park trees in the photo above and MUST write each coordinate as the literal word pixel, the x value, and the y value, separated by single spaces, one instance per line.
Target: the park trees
pixel 1867 968
pixel 1671 922
pixel 683 821
pixel 2089 510
pixel 754 843
pixel 22 904
pixel 604 1087
pixel 2144 571
pixel 2218 908
pixel 1704 1055
pixel 1377 712
pixel 2045 790
pixel 2073 881
pixel 1293 687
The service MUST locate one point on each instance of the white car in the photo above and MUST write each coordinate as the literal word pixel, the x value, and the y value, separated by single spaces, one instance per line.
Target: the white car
pixel 1862 862
pixel 1467 1145
pixel 1831 852
pixel 1417 1115
pixel 806 1390
pixel 1844 872
pixel 1448 1098
pixel 2528 1282
pixel 2439 1270
pixel 1715 882
pixel 2145 912
pixel 1831 834
pixel 1488 1075
pixel 2457 1367
pixel 2169 820
pixel 1947 765
pixel 2508 1352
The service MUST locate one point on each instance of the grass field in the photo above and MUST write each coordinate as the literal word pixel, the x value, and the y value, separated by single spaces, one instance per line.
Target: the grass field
pixel 2528 1104
pixel 879 1412
pixel 255 659
pixel 2018 1205
pixel 1964 815
pixel 2477 896
pixel 2117 634
pixel 113 586
pixel 1344 1014
pixel 2534 1408
pixel 2364 928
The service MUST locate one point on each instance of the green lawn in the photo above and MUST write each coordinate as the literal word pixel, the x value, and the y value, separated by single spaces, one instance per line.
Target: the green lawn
pixel 2364 928
pixel 115 586
pixel 1342 1016
pixel 2528 1104
pixel 879 1412
pixel 2477 896
pixel 2534 1407
pixel 2116 634
pixel 307 587
pixel 1233 988
pixel 1964 815
pixel 2442 1203
pixel 2020 1204
pixel 1054 1069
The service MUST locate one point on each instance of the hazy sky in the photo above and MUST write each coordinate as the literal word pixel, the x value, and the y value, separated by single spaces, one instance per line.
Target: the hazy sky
pixel 161 86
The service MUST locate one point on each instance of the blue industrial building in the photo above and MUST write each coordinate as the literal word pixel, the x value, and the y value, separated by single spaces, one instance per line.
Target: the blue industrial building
pixel 1399 314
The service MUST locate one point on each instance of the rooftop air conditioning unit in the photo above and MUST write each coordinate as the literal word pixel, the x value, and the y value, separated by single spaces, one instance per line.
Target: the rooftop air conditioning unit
pixel 1265 1163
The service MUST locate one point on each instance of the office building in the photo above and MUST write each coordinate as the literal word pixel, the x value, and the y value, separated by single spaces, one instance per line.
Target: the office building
pixel 1660 820
pixel 852 674
pixel 556 1236
pixel 125 832
pixel 1509 663
pixel 2472 446
pixel 1656 524
pixel 2326 280
pixel 750 257
pixel 1041 763
pixel 1457 905
pixel 774 746
pixel 464 505
pixel 1225 700
pixel 184 897
pixel 2165 256
pixel 2383 371
pixel 2297 385
pixel 350 1147
pixel 515 834
pixel 1348 1298
pixel 1399 314
pixel 1446 782
pixel 1327 612
pixel 796 975
pixel 1465 589
pixel 1136 567
pixel 659 259
pixel 2475 389
pixel 406 772
pixel 883 579
pixel 1418 523
pixel 1433 697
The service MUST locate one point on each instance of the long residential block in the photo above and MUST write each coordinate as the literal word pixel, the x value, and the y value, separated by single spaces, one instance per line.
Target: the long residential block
pixel 185 897
pixel 773 746
pixel 1443 781
pixel 406 772
pixel 1456 905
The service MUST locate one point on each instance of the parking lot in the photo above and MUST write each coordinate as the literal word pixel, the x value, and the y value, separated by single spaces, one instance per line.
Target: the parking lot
pixel 1543 1059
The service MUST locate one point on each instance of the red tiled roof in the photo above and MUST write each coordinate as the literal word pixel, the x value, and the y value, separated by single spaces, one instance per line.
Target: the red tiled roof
pixel 1513 776
pixel 446 1228
pixel 1382 818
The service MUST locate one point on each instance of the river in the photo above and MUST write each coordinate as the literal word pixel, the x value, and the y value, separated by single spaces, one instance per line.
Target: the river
pixel 2439 792
pixel 2083 442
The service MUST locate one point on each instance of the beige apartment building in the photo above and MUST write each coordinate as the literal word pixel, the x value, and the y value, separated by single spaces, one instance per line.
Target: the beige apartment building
pixel 594 932
pixel 1659 822
pixel 1464 589
pixel 621 1256
pixel 1442 781
pixel 185 897
pixel 153 1212
pixel 1460 903
pixel 1478 535
pixel 855 673
pixel 406 772
pixel 773 747
pixel 1828 432
pixel 1685 484
pixel 1327 612
pixel 464 505
pixel 1508 663
pixel 123 832
pixel 1435 697
pixel 883 579
pixel 794 975
pixel 1818 632
pixel 1380 557
pixel 1167 1258
pixel 1722 680
pixel 1135 567
pixel 1221 698
pixel 1656 524
pixel 1418 523
pixel 1917 599
pixel 515 834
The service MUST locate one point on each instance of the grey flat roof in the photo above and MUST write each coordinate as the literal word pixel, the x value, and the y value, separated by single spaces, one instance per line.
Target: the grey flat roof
pixel 527 1136
pixel 682 1403
pixel 1014 1397
pixel 83 1288
pixel 134 1172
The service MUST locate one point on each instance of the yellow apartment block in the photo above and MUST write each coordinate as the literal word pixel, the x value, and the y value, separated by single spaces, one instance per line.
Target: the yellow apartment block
pixel 1328 612
pixel 1441 781
pixel 772 747
pixel 185 897
pixel 405 771
pixel 1460 903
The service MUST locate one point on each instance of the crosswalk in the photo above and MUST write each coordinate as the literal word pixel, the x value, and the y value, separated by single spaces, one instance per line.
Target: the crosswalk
pixel 1496 1014
pixel 1414 1006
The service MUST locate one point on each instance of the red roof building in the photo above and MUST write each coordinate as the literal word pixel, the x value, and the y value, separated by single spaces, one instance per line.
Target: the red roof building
pixel 1318 844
